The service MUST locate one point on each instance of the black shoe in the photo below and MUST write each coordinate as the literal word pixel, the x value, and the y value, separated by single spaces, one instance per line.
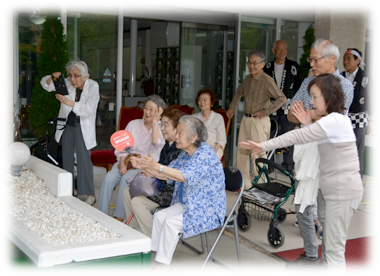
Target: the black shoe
pixel 304 260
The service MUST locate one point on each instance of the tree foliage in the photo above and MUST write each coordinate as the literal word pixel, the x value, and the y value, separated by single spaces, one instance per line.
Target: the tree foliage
pixel 308 40
pixel 53 56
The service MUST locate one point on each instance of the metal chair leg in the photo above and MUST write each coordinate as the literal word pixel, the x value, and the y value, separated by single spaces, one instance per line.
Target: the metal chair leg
pixel 200 252
pixel 209 256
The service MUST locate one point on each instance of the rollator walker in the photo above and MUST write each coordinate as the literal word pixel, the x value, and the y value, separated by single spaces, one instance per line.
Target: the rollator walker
pixel 264 199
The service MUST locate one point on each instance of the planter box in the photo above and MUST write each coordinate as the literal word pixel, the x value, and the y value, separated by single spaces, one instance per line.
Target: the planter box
pixel 59 183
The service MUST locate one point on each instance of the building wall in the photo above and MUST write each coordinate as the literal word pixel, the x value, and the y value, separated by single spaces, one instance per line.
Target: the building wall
pixel 347 29
pixel 343 23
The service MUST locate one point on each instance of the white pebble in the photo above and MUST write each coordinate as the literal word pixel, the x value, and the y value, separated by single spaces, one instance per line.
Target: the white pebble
pixel 48 216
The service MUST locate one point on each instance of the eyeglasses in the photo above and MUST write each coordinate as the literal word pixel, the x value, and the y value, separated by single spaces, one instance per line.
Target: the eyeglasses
pixel 73 76
pixel 165 126
pixel 309 60
pixel 255 63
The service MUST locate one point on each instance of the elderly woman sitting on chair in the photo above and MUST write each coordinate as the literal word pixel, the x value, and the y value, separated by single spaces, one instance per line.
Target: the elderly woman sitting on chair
pixel 199 198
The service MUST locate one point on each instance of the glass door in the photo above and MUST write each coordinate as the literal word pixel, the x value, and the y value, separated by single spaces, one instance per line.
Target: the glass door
pixel 29 41
pixel 202 63
pixel 93 39
pixel 255 34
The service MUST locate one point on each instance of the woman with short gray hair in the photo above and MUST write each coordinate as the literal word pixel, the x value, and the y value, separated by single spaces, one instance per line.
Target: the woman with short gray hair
pixel 199 198
pixel 80 65
pixel 196 128
pixel 77 132
pixel 157 100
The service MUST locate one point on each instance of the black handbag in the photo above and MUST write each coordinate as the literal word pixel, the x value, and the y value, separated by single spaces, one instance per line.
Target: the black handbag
pixel 164 196
pixel 72 119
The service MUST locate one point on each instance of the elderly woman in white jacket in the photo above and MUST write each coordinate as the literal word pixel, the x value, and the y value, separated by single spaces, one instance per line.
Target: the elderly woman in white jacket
pixel 77 132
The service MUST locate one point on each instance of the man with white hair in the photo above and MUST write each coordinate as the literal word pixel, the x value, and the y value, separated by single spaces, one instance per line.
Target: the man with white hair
pixel 323 57
pixel 358 111
pixel 287 75
pixel 257 89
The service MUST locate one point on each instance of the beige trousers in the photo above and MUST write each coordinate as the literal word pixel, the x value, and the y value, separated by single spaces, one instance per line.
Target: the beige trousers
pixel 142 207
pixel 256 130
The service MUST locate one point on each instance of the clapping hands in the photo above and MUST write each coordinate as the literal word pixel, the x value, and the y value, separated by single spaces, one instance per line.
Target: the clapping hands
pixel 144 163
pixel 302 115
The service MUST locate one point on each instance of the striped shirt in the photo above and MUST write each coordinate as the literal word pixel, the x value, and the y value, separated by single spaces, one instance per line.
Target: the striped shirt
pixel 258 91
pixel 304 95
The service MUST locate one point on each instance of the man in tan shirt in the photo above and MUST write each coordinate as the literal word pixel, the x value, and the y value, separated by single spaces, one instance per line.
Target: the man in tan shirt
pixel 257 89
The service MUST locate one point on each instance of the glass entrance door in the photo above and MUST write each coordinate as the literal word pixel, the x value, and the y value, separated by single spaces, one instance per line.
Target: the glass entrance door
pixel 93 39
pixel 201 45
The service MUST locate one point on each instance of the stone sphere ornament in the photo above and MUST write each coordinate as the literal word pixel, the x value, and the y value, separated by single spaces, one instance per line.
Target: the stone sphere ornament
pixel 18 155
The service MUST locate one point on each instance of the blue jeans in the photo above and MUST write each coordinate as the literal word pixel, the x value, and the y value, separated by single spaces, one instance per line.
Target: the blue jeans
pixel 111 180
pixel 307 229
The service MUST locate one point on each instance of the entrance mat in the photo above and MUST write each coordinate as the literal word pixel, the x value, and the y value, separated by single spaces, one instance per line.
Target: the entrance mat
pixel 357 252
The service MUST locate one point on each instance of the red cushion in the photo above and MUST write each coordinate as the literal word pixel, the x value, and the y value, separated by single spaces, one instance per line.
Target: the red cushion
pixel 103 156
pixel 127 115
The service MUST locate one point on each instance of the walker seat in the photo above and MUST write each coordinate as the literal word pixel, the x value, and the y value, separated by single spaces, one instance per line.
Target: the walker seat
pixel 263 201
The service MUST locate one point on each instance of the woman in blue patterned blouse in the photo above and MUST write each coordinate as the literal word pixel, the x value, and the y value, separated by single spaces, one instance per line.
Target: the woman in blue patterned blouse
pixel 199 198
pixel 143 206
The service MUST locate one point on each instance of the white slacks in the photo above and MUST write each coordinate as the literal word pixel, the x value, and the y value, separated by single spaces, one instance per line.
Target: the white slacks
pixel 336 220
pixel 167 228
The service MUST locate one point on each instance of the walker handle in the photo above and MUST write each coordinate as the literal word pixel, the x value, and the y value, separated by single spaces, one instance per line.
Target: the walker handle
pixel 271 163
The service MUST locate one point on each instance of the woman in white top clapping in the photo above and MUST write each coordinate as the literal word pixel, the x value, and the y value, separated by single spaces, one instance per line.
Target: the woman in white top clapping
pixel 214 122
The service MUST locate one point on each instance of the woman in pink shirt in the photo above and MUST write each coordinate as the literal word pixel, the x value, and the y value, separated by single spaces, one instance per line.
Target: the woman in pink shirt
pixel 148 138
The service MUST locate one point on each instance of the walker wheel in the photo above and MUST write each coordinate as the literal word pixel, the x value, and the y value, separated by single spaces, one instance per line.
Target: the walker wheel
pixel 276 238
pixel 244 220
pixel 281 215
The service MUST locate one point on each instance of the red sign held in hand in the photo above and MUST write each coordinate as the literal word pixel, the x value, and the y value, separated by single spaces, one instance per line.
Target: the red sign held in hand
pixel 122 140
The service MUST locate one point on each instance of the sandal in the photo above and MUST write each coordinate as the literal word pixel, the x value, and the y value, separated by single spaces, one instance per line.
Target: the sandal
pixel 119 219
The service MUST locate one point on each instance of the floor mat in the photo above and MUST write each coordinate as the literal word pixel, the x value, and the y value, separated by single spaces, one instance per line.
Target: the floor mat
pixel 357 251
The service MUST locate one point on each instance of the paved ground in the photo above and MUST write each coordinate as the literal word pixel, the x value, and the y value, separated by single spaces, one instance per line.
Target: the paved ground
pixel 255 249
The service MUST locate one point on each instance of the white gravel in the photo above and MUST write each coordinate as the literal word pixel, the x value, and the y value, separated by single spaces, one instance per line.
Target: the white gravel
pixel 48 216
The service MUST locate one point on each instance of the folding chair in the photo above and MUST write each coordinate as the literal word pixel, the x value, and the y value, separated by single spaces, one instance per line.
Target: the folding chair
pixel 234 183
pixel 234 177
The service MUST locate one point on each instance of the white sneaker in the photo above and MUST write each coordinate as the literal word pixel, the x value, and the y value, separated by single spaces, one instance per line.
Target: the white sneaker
pixel 90 200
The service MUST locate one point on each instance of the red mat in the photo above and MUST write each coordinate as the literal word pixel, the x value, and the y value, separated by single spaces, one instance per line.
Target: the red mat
pixel 357 251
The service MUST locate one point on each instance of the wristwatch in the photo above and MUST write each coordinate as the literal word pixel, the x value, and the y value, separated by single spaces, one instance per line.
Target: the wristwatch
pixel 161 169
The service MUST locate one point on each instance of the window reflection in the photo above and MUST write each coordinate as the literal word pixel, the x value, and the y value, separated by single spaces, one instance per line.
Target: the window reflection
pixel 258 35
pixel 29 31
